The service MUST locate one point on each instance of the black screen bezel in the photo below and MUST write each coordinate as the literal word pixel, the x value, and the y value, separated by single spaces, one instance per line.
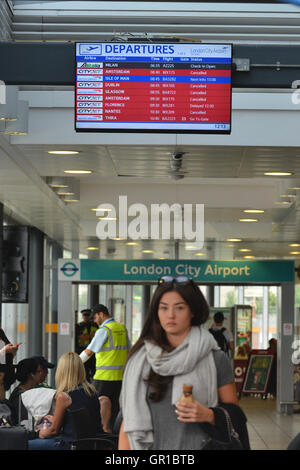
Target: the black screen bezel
pixel 156 131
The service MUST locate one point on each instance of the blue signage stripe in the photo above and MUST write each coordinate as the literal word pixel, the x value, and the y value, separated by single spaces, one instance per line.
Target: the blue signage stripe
pixel 157 79
pixel 160 79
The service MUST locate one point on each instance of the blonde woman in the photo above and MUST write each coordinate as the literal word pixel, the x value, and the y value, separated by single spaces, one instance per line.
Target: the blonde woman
pixel 72 392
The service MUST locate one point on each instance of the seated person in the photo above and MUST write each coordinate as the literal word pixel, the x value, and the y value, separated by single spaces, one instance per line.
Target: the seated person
pixel 45 365
pixel 28 374
pixel 73 392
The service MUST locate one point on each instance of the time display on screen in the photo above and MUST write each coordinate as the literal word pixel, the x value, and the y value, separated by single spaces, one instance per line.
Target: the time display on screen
pixel 150 87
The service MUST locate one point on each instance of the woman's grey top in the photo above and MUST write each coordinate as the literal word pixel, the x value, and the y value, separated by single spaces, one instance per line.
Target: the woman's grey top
pixel 171 434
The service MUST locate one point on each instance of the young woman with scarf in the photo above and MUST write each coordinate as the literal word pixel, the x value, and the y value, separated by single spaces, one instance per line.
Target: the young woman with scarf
pixel 174 349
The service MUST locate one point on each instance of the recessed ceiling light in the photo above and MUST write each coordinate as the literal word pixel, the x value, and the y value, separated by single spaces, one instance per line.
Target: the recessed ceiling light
pixel 232 246
pixel 92 248
pixel 283 203
pixel 78 172
pixel 71 200
pixel 63 152
pixel 294 252
pixel 15 133
pixel 118 239
pixel 131 243
pixel 278 173
pixel 296 188
pixel 107 218
pixel 234 240
pixel 65 194
pixel 147 251
pixel 294 244
pixel 199 254
pixel 58 185
pixel 245 250
pixel 254 211
pixel 248 220
pixel 191 247
pixel 287 195
pixel 249 257
pixel 95 209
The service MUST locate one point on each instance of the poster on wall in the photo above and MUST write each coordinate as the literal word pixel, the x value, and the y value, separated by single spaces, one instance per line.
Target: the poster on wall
pixel 258 372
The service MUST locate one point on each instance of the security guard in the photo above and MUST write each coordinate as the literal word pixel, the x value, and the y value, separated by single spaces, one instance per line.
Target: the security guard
pixel 110 345
pixel 84 332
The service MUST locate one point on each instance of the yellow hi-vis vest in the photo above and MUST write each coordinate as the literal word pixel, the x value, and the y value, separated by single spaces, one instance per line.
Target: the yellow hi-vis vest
pixel 111 358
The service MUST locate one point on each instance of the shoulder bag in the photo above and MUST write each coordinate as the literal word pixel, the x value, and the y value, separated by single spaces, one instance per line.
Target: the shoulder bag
pixel 231 438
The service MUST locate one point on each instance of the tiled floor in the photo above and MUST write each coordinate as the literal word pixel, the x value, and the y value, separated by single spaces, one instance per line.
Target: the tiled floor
pixel 268 429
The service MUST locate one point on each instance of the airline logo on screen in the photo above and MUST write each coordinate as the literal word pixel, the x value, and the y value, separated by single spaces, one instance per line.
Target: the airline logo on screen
pixel 90 49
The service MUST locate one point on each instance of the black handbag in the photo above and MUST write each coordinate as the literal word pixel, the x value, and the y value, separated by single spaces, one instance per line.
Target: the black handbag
pixel 13 438
pixel 231 438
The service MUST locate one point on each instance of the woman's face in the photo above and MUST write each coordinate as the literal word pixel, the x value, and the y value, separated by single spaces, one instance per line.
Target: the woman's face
pixel 175 317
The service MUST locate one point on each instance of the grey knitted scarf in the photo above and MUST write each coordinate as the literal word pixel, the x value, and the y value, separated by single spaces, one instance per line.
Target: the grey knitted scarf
pixel 192 363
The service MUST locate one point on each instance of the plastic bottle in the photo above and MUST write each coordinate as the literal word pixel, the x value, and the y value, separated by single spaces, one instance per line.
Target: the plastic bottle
pixel 45 423
pixel 187 394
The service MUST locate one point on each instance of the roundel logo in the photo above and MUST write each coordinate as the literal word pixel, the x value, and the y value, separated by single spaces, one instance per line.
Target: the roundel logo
pixel 69 269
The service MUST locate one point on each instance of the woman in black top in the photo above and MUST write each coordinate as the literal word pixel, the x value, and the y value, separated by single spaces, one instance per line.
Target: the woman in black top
pixel 73 392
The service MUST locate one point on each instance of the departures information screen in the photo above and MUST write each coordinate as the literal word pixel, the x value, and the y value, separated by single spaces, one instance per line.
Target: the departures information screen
pixel 151 87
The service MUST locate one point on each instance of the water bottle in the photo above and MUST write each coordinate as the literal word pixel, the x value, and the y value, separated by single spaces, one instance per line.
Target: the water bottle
pixel 46 423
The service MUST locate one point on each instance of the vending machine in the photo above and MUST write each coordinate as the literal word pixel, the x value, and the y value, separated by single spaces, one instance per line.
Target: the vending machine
pixel 242 325
pixel 242 337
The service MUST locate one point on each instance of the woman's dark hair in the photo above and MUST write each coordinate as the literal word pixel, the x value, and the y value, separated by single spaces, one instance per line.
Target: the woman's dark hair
pixel 25 368
pixel 153 331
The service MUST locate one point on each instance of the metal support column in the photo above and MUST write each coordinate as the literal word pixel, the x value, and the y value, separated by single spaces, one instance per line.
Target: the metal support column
pixel 285 366
pixel 57 252
pixel 217 296
pixel 145 301
pixel 93 295
pixel 1 257
pixel 109 297
pixel 66 327
pixel 128 309
pixel 35 292
pixel 211 295
pixel 240 295
pixel 265 317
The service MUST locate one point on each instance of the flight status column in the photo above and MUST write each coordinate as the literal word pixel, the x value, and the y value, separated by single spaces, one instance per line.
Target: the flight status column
pixel 154 87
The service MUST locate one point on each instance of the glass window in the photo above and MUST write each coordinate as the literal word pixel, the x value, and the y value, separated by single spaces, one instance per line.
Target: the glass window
pixel 228 296
pixel 102 294
pixel 67 254
pixel 82 298
pixel 118 303
pixel 204 290
pixel 253 295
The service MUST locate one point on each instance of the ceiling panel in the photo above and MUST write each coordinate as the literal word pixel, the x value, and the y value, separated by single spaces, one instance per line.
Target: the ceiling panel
pixel 225 179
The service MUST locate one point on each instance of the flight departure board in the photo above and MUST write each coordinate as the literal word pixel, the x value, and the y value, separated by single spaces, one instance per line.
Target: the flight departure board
pixel 153 87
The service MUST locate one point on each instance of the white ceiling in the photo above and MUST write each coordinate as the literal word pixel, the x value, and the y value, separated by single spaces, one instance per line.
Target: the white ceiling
pixel 85 20
pixel 225 174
